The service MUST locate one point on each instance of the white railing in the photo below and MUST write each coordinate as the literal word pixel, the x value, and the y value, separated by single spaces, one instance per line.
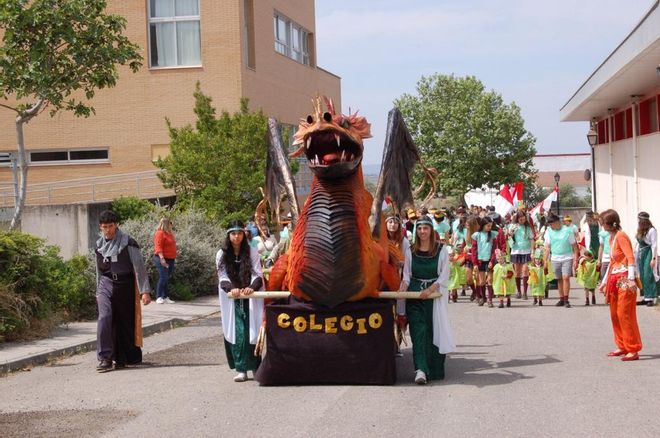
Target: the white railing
pixel 93 189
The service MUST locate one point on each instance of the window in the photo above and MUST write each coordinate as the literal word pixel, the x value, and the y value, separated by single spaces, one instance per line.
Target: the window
pixel 174 33
pixel 74 156
pixel 648 116
pixel 603 131
pixel 5 159
pixel 291 39
pixel 623 125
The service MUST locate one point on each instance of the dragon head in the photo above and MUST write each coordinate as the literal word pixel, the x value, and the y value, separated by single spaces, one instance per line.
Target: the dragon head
pixel 331 142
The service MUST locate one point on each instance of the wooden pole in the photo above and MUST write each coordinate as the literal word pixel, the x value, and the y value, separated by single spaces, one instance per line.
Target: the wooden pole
pixel 381 295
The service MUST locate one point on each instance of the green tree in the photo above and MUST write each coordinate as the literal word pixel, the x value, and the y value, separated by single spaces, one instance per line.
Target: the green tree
pixel 218 165
pixel 55 54
pixel 569 198
pixel 469 134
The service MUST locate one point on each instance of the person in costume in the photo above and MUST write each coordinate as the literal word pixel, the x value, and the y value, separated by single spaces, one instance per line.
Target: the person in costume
pixel 568 222
pixel 620 289
pixel 121 283
pixel 522 247
pixel 562 250
pixel 483 257
pixel 503 285
pixel 646 257
pixel 587 276
pixel 457 277
pixel 589 230
pixel 441 226
pixel 471 272
pixel 459 239
pixel 537 278
pixel 239 274
pixel 411 217
pixel 426 270
pixel 603 252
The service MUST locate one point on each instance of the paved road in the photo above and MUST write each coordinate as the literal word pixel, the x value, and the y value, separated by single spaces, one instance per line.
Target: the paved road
pixel 523 371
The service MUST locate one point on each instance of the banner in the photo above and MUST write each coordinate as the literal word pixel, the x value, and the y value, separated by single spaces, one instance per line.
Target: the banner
pixel 307 343
pixel 544 206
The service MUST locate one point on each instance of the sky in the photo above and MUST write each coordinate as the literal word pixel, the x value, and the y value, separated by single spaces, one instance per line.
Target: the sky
pixel 534 53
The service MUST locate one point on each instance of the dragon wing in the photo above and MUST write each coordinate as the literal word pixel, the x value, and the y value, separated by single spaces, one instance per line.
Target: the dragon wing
pixel 278 174
pixel 399 158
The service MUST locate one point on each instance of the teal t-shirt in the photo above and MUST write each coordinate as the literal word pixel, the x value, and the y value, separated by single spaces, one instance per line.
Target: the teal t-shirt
pixel 561 241
pixel 484 245
pixel 460 236
pixel 454 225
pixel 604 238
pixel 442 228
pixel 522 237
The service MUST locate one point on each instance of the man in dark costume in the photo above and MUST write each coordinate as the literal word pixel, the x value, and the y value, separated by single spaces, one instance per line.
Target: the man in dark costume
pixel 121 279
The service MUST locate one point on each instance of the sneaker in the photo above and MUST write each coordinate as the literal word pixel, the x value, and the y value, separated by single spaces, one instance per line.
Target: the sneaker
pixel 120 366
pixel 501 306
pixel 586 303
pixel 168 301
pixel 104 366
pixel 490 304
pixel 593 299
pixel 240 377
pixel 540 302
pixel 420 377
pixel 160 300
pixel 649 304
pixel 536 301
pixel 567 305
pixel 508 302
pixel 560 303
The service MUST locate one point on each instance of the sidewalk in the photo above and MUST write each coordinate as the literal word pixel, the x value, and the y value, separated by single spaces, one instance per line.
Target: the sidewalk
pixel 81 336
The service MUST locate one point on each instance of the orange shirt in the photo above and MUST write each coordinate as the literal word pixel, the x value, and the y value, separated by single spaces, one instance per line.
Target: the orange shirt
pixel 164 242
pixel 621 251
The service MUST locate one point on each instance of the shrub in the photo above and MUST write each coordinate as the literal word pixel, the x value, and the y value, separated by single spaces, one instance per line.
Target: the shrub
pixel 131 207
pixel 197 239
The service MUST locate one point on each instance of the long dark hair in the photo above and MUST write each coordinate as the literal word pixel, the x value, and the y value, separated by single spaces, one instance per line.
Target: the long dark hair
pixel 528 224
pixel 461 224
pixel 611 218
pixel 239 273
pixel 644 224
pixel 483 221
pixel 434 244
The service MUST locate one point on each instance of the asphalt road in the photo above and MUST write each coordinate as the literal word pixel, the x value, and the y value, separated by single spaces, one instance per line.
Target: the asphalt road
pixel 523 371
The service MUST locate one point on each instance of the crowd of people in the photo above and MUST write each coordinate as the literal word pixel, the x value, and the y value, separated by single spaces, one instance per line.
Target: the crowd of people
pixel 472 252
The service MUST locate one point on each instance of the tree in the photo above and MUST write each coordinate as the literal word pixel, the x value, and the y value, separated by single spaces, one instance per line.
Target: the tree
pixel 469 134
pixel 219 165
pixel 569 198
pixel 55 54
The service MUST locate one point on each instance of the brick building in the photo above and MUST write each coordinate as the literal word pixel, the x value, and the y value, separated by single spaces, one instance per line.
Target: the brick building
pixel 263 50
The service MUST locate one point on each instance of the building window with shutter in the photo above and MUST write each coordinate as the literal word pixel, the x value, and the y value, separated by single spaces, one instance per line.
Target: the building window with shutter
pixel 174 33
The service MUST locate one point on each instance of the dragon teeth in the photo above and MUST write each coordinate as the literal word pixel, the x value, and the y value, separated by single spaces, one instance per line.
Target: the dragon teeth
pixel 309 142
pixel 338 140
pixel 343 155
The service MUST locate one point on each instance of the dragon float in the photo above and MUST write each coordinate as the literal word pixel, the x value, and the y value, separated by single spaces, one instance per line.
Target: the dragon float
pixel 339 250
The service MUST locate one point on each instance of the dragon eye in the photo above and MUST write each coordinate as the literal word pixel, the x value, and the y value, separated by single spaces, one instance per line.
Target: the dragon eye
pixel 327 117
pixel 344 123
pixel 310 119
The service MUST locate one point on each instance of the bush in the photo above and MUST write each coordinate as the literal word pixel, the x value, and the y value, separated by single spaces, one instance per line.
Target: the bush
pixel 38 288
pixel 197 240
pixel 131 207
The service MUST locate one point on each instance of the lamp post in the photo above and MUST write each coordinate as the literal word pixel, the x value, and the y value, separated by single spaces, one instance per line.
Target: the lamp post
pixel 557 187
pixel 592 138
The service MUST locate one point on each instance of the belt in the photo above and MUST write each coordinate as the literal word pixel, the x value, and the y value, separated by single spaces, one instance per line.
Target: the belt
pixel 425 282
pixel 115 276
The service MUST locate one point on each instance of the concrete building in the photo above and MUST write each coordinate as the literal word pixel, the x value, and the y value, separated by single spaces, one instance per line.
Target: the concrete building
pixel 622 99
pixel 264 50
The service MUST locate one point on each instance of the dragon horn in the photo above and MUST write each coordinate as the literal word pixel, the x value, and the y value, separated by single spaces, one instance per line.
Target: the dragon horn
pixel 330 105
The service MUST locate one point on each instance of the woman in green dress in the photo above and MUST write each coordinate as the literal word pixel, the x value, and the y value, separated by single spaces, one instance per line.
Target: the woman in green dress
pixel 646 258
pixel 426 270
pixel 239 273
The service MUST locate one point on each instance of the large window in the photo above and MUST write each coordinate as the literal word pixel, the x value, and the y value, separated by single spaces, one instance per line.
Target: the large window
pixel 73 156
pixel 174 34
pixel 291 39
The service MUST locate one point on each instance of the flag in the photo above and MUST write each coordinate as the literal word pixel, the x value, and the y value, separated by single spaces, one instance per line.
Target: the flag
pixel 544 205
pixel 516 194
pixel 504 201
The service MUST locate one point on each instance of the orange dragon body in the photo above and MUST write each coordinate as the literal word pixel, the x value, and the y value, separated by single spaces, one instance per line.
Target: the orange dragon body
pixel 339 249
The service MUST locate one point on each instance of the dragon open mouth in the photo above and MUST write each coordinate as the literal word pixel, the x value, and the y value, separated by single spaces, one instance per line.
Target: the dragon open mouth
pixel 327 149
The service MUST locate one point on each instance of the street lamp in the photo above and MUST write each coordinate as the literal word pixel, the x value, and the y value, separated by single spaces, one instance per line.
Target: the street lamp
pixel 557 187
pixel 592 138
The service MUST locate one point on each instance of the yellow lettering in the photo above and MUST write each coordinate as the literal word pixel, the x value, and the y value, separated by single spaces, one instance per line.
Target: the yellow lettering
pixel 283 320
pixel 362 329
pixel 300 324
pixel 375 320
pixel 312 323
pixel 331 325
pixel 346 323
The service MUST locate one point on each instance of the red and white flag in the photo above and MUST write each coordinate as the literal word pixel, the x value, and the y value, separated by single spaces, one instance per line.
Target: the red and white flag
pixel 544 205
pixel 503 202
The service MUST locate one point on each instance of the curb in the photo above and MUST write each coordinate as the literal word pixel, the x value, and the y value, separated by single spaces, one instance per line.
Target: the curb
pixel 82 347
